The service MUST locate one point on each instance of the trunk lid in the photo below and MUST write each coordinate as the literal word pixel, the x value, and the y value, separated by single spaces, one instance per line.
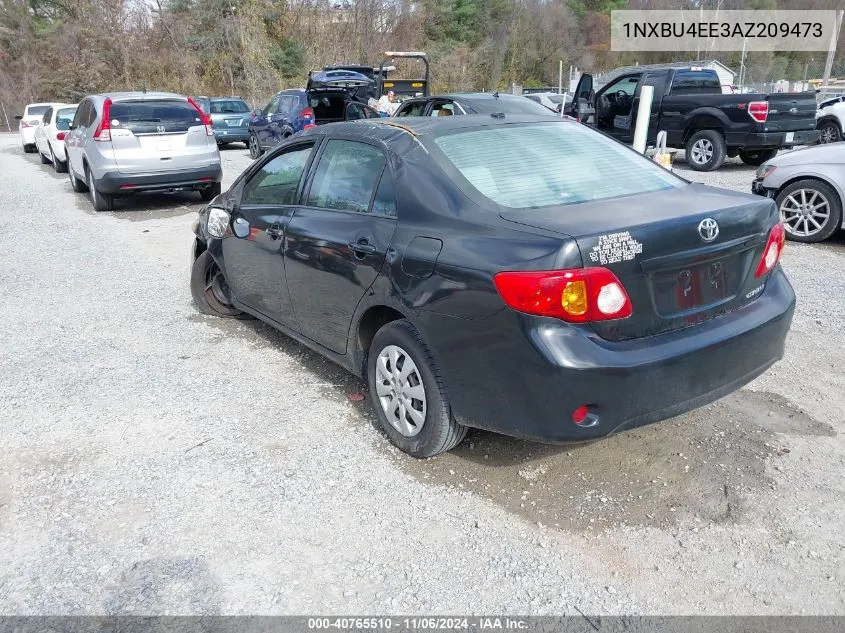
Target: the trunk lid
pixel 345 79
pixel 158 135
pixel 791 112
pixel 654 244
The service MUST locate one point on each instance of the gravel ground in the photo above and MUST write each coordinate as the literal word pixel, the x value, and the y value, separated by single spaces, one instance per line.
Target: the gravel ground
pixel 158 461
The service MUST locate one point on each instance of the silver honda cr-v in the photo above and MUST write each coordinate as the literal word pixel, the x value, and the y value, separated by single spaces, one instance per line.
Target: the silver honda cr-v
pixel 126 142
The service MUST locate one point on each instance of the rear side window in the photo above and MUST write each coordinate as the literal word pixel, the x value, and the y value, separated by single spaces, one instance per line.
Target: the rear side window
pixel 278 180
pixel 539 165
pixel 346 176
pixel 233 106
pixel 689 82
pixel 63 118
pixel 47 115
pixel 385 200
pixel 154 117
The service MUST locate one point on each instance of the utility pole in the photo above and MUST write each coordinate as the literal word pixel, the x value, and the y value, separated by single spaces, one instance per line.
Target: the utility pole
pixel 834 38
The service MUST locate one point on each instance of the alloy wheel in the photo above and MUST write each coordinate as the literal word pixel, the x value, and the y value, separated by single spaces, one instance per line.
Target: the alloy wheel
pixel 701 151
pixel 400 390
pixel 827 134
pixel 805 212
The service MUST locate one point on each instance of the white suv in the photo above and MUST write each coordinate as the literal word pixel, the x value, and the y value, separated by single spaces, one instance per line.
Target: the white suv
pixel 830 120
pixel 127 142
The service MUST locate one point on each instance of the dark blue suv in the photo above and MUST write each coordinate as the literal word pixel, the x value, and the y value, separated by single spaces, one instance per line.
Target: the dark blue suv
pixel 329 97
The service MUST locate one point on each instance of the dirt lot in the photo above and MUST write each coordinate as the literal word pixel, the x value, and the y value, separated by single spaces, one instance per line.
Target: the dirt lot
pixel 158 461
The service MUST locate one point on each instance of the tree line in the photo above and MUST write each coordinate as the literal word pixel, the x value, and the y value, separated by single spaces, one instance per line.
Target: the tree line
pixel 65 49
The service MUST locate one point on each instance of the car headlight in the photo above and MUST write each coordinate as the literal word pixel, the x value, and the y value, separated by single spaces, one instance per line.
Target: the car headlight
pixel 217 224
pixel 764 171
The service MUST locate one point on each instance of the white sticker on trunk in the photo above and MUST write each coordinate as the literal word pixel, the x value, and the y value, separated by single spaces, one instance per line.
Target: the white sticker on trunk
pixel 615 247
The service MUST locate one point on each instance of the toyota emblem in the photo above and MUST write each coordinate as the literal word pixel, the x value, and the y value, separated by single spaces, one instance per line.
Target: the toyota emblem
pixel 708 229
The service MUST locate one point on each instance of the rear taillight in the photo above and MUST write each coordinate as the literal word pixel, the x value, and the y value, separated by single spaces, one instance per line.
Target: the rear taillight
pixel 206 119
pixel 759 110
pixel 308 126
pixel 103 131
pixel 579 295
pixel 773 251
pixel 25 124
pixel 61 136
pixel 307 113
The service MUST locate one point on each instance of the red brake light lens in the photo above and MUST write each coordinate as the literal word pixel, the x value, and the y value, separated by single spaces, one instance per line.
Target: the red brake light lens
pixel 307 113
pixel 25 124
pixel 205 118
pixel 759 110
pixel 61 136
pixel 103 131
pixel 579 295
pixel 773 250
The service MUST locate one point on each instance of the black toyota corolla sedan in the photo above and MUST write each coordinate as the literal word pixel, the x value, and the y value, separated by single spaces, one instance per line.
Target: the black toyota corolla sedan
pixel 525 275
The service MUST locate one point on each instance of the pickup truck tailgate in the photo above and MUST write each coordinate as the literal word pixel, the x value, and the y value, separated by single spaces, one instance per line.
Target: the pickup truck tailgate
pixel 791 112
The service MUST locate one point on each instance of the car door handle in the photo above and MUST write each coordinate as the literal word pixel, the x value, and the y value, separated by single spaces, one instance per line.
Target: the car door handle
pixel 362 248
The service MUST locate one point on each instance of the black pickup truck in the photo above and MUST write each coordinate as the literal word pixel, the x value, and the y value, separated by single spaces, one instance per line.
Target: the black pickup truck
pixel 690 106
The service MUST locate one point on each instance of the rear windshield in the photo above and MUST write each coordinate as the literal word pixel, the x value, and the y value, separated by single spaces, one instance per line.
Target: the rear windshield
pixel 64 117
pixel 556 98
pixel 154 117
pixel 543 164
pixel 37 110
pixel 512 105
pixel 234 106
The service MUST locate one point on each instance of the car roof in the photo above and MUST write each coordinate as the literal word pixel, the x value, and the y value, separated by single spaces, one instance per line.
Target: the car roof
pixel 115 96
pixel 388 128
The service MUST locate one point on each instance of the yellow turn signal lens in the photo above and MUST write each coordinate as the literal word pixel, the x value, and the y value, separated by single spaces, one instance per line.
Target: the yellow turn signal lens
pixel 574 298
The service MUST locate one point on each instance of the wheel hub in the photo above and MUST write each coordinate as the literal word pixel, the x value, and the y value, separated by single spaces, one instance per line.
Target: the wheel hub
pixel 400 390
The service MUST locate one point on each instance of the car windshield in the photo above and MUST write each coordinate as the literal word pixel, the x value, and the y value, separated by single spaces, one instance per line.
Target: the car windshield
pixel 508 105
pixel 231 106
pixel 64 117
pixel 525 166
pixel 37 110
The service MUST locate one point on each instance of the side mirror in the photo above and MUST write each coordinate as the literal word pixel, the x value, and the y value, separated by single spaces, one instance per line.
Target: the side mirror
pixel 71 127
pixel 18 117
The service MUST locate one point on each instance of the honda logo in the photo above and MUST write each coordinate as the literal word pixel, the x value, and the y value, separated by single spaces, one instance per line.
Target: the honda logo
pixel 708 229
pixel 161 129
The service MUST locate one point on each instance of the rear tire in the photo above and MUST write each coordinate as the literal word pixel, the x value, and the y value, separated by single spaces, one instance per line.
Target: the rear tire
pixel 209 193
pixel 254 147
pixel 101 201
pixel 210 289
pixel 29 148
pixel 59 165
pixel 706 150
pixel 756 158
pixel 823 204
pixel 77 185
pixel 411 397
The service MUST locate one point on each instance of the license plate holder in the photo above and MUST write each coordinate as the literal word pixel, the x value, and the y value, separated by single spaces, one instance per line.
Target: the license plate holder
pixel 790 136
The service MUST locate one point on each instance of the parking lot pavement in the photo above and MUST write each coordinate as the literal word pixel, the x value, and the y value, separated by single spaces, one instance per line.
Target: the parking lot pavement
pixel 158 461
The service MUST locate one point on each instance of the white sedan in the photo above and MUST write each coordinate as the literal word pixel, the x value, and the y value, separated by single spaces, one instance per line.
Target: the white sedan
pixel 50 135
pixel 29 121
